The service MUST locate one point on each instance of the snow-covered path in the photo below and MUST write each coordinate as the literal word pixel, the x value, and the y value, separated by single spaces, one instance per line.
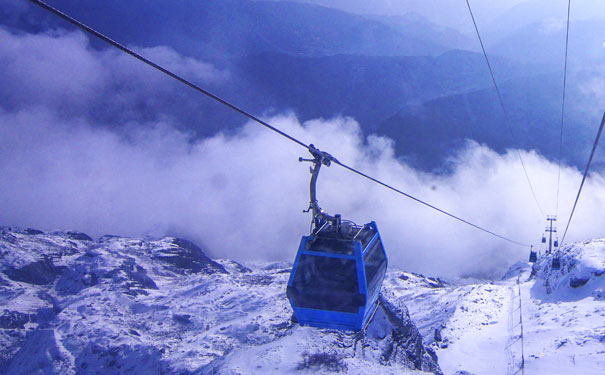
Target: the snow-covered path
pixel 476 324
pixel 479 332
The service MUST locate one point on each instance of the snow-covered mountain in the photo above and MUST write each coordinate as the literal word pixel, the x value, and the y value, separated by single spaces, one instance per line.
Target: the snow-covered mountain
pixel 551 320
pixel 74 305
pixel 71 305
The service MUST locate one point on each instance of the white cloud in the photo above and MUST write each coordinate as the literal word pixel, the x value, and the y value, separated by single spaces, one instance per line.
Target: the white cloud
pixel 592 86
pixel 59 69
pixel 35 72
pixel 242 195
pixel 551 26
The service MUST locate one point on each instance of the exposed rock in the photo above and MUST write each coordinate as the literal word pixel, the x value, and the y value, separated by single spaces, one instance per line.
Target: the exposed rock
pixel 11 341
pixel 240 268
pixel 40 354
pixel 437 335
pixel 123 359
pixel 38 273
pixel 182 318
pixel 76 278
pixel 126 306
pixel 433 282
pixel 398 339
pixel 188 257
pixel 138 276
pixel 576 282
pixel 32 231
pixel 13 319
pixel 78 236
pixel 132 278
pixel 258 279
pixel 331 362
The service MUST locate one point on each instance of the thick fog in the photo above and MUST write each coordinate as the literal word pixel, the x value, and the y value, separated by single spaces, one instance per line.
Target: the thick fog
pixel 241 194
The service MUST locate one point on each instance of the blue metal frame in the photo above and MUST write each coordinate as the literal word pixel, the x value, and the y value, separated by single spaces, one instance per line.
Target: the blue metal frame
pixel 337 319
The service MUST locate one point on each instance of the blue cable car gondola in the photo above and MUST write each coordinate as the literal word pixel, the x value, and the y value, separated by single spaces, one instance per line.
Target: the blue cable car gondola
pixel 556 263
pixel 339 267
pixel 533 256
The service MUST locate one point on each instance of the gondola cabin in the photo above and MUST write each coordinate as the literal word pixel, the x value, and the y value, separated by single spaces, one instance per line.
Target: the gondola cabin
pixel 337 276
pixel 533 256
pixel 556 263
pixel 339 268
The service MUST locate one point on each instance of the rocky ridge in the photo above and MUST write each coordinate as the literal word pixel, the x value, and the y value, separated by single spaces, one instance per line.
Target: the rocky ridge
pixel 74 305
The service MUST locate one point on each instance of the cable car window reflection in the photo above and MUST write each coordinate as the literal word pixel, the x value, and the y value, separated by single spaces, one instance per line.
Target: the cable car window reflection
pixel 330 245
pixel 374 261
pixel 329 283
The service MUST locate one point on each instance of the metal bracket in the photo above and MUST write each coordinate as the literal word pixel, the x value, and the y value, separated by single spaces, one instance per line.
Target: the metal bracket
pixel 319 216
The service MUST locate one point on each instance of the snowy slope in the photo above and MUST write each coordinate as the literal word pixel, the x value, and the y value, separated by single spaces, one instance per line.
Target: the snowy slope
pixel 73 305
pixel 127 306
pixel 565 312
pixel 553 319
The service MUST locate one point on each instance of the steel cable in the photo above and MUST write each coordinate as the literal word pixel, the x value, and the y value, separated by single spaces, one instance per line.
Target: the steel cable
pixel 563 105
pixel 594 147
pixel 506 120
pixel 125 49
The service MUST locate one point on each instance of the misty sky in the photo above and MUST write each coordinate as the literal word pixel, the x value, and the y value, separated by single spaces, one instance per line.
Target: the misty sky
pixel 241 194
pixel 491 15
pixel 446 13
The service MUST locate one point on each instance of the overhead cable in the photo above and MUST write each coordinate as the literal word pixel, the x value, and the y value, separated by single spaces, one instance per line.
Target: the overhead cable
pixel 506 120
pixel 563 104
pixel 248 115
pixel 427 204
pixel 594 147
pixel 137 56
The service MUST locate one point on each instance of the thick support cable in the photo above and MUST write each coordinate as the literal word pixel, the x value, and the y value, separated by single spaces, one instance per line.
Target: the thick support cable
pixel 506 120
pixel 563 105
pixel 125 49
pixel 427 204
pixel 594 147
pixel 311 148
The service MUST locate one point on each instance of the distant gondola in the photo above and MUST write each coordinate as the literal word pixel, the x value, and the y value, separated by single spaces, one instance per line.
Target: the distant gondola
pixel 533 256
pixel 339 267
pixel 556 263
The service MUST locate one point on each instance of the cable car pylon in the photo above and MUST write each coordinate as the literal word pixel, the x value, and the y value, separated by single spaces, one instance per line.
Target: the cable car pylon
pixel 550 229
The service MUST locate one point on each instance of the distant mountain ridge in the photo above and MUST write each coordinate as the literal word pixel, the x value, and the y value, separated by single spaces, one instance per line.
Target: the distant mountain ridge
pixel 420 28
pixel 235 28
pixel 533 108
pixel 368 88
pixel 389 73
pixel 543 43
